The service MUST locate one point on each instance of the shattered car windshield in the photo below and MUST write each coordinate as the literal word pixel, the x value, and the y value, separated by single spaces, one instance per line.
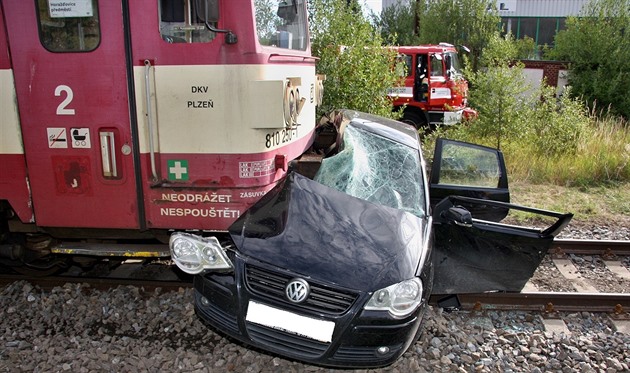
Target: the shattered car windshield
pixel 376 169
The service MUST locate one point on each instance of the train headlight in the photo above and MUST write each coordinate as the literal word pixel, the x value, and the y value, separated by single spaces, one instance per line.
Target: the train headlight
pixel 289 105
pixel 400 299
pixel 194 254
pixel 293 102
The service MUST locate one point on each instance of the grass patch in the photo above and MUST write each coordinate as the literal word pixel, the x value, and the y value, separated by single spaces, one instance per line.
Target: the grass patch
pixel 599 156
pixel 600 204
pixel 591 179
pixel 602 157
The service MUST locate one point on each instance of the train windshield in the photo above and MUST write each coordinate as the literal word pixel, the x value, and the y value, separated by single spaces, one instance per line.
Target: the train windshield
pixel 282 23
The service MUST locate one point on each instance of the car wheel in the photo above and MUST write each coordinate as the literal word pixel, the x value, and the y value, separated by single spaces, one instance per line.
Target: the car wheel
pixel 416 119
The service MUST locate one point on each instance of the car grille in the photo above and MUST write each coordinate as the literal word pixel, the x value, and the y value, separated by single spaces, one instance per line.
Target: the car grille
pixel 290 343
pixel 322 298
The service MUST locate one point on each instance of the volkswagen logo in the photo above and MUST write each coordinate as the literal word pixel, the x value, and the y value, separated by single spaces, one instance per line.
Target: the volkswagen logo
pixel 297 290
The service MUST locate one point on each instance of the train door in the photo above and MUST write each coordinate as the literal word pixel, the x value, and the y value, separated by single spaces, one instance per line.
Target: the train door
pixel 71 82
pixel 212 131
pixel 182 129
pixel 13 186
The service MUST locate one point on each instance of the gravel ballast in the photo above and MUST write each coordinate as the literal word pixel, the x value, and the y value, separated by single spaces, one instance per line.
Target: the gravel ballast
pixel 75 328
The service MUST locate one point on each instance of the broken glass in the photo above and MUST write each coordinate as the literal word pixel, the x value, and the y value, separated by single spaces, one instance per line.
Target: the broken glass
pixel 376 169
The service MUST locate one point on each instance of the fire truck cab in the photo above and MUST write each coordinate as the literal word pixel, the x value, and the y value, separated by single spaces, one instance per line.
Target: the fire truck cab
pixel 434 91
pixel 123 120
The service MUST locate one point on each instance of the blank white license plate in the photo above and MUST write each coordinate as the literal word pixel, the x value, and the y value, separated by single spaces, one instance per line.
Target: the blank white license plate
pixel 290 322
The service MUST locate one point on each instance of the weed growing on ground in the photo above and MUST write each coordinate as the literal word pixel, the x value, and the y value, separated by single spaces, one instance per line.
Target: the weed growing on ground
pixel 567 147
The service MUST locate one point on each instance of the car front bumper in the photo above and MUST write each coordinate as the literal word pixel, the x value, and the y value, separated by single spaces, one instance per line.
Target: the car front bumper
pixel 359 339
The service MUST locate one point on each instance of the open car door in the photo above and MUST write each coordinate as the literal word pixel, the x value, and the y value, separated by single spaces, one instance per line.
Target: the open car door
pixel 474 252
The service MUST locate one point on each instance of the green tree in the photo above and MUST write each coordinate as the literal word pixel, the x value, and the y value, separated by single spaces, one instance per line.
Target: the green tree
pixel 597 46
pixel 358 69
pixel 397 24
pixel 555 125
pixel 461 22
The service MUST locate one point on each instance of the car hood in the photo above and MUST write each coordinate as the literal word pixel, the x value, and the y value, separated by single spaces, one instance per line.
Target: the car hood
pixel 318 232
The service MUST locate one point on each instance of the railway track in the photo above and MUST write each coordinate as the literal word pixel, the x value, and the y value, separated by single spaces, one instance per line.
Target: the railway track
pixel 553 306
pixel 150 276
pixel 101 283
pixel 126 325
pixel 583 298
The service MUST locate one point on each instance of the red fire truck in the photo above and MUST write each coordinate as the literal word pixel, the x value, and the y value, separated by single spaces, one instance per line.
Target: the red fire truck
pixel 434 91
pixel 124 119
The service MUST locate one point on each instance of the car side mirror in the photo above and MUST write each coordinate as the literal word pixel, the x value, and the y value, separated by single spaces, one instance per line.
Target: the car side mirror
pixel 458 215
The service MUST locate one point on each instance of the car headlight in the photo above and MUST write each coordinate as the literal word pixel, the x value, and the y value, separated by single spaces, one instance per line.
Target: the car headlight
pixel 194 254
pixel 400 299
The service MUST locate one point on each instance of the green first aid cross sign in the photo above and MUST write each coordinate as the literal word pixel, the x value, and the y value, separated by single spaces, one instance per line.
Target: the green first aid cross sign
pixel 177 169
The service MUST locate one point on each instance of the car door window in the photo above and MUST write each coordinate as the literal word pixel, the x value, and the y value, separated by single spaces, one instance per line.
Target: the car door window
pixel 437 69
pixel 469 166
pixel 470 170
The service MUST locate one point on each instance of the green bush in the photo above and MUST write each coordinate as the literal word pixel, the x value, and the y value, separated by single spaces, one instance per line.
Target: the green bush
pixel 555 126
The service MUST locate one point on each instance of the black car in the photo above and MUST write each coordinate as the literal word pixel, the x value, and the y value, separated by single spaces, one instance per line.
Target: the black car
pixel 335 267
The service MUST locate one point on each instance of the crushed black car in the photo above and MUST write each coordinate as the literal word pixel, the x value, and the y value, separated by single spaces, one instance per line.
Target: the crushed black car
pixel 335 265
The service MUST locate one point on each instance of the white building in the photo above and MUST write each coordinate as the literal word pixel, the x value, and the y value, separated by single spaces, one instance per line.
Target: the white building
pixel 537 19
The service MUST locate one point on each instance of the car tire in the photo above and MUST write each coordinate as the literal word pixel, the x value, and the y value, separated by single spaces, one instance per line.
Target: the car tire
pixel 415 118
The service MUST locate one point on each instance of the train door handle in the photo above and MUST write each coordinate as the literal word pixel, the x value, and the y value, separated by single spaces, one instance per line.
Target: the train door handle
pixel 108 154
pixel 147 92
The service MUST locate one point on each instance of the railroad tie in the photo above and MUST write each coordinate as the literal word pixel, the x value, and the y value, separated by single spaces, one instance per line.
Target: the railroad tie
pixel 556 326
pixel 568 270
pixel 617 268
pixel 529 287
pixel 621 326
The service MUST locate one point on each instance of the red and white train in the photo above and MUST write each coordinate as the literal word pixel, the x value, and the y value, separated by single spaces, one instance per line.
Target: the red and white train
pixel 122 120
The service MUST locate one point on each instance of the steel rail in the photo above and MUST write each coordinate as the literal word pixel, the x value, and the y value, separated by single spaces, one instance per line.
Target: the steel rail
pixel 590 247
pixel 539 301
pixel 100 283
